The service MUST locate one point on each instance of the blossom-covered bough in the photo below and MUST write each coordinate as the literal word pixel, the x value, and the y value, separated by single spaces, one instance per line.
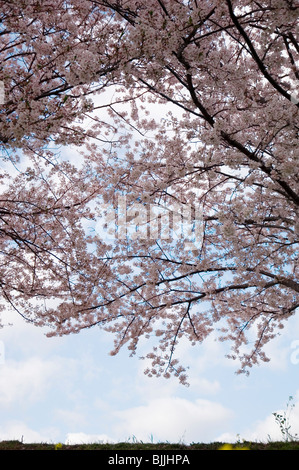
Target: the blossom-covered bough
pixel 203 114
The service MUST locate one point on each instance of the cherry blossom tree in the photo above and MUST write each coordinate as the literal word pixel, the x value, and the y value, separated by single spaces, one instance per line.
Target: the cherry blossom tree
pixel 203 121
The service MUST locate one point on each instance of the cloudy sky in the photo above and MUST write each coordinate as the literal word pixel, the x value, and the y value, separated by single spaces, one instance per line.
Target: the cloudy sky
pixel 70 390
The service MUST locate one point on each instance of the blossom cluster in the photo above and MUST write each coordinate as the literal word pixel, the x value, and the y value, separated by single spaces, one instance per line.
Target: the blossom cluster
pixel 202 113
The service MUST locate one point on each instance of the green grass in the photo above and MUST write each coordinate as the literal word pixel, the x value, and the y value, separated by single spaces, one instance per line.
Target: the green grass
pixel 280 445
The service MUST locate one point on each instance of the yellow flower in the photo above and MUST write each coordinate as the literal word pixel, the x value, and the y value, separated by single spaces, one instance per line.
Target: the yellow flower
pixel 230 447
pixel 226 447
pixel 58 446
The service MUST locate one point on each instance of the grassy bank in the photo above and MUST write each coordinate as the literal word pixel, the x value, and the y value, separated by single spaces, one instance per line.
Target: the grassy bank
pixel 125 446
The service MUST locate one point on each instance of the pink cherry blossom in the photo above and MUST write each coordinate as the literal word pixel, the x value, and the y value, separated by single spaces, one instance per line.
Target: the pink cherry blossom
pixel 202 113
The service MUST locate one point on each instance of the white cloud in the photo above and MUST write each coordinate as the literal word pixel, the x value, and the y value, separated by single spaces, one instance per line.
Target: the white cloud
pixel 150 388
pixel 263 431
pixel 268 429
pixel 71 418
pixel 174 419
pixel 25 380
pixel 17 430
pixel 71 377
pixel 204 356
pixel 205 386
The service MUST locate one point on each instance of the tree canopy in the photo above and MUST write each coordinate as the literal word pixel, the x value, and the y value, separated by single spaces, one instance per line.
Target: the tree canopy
pixel 186 117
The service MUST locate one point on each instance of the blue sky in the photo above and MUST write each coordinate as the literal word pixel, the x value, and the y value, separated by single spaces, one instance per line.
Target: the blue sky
pixel 70 390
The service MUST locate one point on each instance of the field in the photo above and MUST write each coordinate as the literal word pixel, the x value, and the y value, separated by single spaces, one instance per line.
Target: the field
pixel 163 447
